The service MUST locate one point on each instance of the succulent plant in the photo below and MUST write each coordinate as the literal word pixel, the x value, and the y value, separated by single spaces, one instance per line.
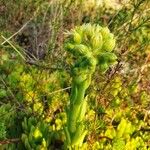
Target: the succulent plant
pixel 36 134
pixel 92 46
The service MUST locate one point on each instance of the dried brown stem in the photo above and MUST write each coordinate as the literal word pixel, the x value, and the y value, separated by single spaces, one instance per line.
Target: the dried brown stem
pixel 9 141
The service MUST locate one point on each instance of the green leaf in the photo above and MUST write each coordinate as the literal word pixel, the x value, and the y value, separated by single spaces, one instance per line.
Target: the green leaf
pixel 3 93
pixel 118 144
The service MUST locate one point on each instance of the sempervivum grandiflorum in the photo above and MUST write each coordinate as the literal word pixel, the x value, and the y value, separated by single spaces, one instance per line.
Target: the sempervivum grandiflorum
pixel 92 46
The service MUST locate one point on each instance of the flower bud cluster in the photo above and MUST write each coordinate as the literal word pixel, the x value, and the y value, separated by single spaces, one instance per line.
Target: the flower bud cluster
pixel 92 42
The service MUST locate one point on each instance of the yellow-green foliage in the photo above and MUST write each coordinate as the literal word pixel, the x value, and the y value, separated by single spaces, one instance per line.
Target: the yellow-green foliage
pixel 4 117
pixel 36 134
pixel 34 88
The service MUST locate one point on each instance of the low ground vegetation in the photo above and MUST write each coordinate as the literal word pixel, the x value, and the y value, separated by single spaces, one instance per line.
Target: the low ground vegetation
pixel 36 75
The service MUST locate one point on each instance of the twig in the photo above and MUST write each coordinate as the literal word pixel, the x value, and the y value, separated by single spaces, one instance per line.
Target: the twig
pixel 9 141
pixel 118 66
pixel 34 15
pixel 60 90
pixel 6 40
pixel 102 137
pixel 145 129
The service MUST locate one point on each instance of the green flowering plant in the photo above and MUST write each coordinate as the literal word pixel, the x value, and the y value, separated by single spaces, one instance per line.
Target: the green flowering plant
pixel 92 46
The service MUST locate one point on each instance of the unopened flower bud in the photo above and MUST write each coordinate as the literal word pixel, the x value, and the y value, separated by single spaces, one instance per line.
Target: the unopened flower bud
pixel 107 57
pixel 89 30
pixel 97 41
pixel 109 44
pixel 112 58
pixel 69 46
pixel 101 59
pixel 77 38
pixel 105 32
pixel 81 49
pixel 104 67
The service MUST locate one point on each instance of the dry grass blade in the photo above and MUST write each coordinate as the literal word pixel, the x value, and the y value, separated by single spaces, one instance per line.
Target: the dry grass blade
pixel 6 40
pixel 13 47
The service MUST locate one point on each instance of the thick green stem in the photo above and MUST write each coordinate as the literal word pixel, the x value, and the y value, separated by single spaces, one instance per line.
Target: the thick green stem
pixel 80 94
pixel 75 106
pixel 73 94
pixel 76 113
